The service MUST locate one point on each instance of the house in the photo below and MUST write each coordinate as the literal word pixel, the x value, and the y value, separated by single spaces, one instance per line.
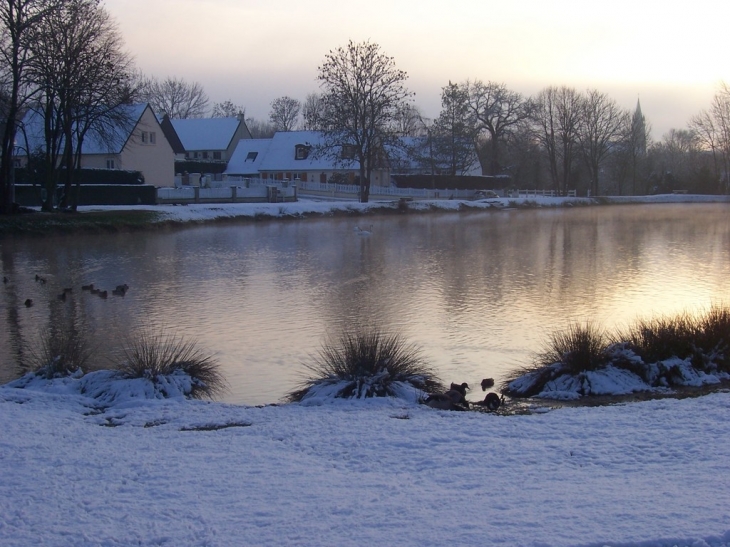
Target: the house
pixel 206 139
pixel 139 145
pixel 300 155
pixel 246 159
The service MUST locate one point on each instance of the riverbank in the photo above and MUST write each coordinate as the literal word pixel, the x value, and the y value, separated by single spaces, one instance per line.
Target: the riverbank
pixel 105 219
pixel 375 472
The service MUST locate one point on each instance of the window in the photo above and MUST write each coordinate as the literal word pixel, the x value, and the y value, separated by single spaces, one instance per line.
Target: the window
pixel 348 151
pixel 153 137
pixel 195 155
pixel 216 155
pixel 205 155
pixel 251 156
pixel 145 137
pixel 110 163
pixel 301 151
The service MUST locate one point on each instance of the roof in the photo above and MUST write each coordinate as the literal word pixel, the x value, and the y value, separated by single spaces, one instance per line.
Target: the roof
pixel 206 133
pixel 93 143
pixel 281 153
pixel 247 157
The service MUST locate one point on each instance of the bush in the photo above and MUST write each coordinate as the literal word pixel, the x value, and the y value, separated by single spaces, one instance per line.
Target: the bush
pixel 577 349
pixel 663 337
pixel 61 352
pixel 155 356
pixel 367 364
pixel 664 351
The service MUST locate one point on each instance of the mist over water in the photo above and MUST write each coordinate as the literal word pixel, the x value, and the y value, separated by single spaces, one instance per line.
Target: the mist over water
pixel 478 292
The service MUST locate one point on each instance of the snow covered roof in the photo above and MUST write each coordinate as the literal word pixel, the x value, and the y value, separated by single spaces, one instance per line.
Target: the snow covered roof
pixel 281 155
pixel 247 157
pixel 206 133
pixel 93 143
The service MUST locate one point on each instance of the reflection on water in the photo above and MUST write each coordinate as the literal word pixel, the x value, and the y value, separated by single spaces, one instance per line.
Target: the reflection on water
pixel 478 292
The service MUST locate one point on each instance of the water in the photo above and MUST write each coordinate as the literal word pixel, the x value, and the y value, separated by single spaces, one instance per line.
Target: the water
pixel 478 292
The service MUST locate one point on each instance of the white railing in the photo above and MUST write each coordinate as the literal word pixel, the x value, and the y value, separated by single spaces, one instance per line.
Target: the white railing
pixel 254 193
pixel 233 188
pixel 541 193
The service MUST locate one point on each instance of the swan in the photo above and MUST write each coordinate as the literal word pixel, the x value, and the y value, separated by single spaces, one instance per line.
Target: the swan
pixel 362 232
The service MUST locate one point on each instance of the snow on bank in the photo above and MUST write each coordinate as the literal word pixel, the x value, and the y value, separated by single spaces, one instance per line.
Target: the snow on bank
pixel 374 472
pixel 308 207
pixel 304 207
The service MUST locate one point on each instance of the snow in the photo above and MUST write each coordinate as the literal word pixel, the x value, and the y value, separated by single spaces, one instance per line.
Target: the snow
pixel 148 471
pixel 99 461
pixel 310 207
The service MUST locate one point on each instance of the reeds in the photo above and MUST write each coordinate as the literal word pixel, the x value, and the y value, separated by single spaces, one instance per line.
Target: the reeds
pixel 62 351
pixel 151 356
pixel 367 363
pixel 704 339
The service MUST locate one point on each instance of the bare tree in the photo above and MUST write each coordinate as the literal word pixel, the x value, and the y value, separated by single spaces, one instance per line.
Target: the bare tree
pixel 408 121
pixel 599 129
pixel 454 132
pixel 175 97
pixel 362 93
pixel 284 113
pixel 17 19
pixel 228 109
pixel 84 76
pixel 556 116
pixel 312 112
pixel 721 113
pixel 260 129
pixel 496 110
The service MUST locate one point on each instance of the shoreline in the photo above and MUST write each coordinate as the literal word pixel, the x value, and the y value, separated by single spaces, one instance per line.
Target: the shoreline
pixel 134 218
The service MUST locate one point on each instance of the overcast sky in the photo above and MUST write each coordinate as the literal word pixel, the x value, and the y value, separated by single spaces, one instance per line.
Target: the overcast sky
pixel 671 55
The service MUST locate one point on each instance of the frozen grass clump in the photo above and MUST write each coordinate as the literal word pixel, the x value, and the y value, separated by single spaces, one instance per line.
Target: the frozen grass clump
pixel 367 363
pixel 158 356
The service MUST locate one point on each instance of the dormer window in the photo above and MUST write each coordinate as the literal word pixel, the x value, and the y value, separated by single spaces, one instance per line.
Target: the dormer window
pixel 251 156
pixel 301 151
pixel 348 151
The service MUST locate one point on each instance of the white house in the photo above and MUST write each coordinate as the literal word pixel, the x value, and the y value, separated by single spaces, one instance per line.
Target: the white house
pixel 299 155
pixel 207 139
pixel 137 146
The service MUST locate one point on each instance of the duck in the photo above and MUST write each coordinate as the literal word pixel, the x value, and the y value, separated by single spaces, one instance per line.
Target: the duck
pixel 461 388
pixel 40 279
pixel 487 382
pixel 121 290
pixel 444 401
pixel 103 294
pixel 62 296
pixel 28 303
pixel 492 401
pixel 88 287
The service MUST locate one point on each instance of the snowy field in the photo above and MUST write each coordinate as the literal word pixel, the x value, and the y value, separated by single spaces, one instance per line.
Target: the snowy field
pixel 149 472
pixel 380 472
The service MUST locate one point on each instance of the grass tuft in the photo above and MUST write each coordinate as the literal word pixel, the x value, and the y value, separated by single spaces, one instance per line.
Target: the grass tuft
pixel 577 349
pixel 365 364
pixel 62 352
pixel 153 356
pixel 642 349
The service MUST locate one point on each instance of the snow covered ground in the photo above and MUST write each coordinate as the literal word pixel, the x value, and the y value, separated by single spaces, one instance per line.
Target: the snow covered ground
pixel 153 472
pixel 212 211
pixel 149 472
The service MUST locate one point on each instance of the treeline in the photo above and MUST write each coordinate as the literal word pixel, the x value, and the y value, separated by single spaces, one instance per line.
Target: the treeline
pixel 64 62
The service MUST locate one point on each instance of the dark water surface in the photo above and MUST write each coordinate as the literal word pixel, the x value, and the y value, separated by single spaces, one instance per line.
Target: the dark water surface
pixel 478 292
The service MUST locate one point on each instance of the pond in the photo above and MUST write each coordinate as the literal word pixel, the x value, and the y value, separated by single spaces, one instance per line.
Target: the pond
pixel 478 292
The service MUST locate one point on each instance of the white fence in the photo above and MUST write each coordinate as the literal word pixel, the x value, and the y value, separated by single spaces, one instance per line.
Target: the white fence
pixel 220 193
pixel 242 189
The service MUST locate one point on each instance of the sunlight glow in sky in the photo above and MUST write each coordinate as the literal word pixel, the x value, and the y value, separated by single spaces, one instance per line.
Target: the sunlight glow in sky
pixel 671 55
